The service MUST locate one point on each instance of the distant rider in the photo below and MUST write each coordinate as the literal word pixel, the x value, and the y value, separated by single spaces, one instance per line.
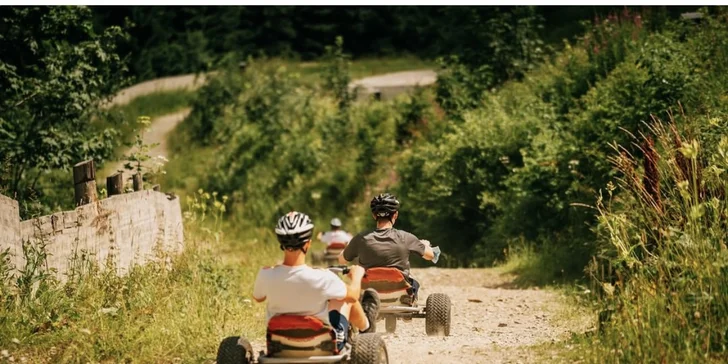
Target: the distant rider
pixel 295 288
pixel 335 235
pixel 386 246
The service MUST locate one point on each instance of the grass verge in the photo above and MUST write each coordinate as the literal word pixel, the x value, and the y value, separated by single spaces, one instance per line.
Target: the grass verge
pixel 160 312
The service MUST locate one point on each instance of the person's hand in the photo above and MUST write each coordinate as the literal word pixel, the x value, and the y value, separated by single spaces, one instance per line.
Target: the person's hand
pixel 356 272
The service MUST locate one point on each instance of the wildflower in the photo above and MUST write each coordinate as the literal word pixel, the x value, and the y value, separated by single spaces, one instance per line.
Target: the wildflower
pixel 144 120
pixel 690 150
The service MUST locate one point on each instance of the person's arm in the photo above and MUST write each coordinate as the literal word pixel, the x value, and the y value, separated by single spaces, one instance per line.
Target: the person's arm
pixel 342 260
pixel 421 247
pixel 428 254
pixel 335 289
pixel 353 289
pixel 259 288
pixel 351 251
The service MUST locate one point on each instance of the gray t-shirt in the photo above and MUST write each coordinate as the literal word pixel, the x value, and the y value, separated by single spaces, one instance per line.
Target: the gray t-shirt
pixel 384 248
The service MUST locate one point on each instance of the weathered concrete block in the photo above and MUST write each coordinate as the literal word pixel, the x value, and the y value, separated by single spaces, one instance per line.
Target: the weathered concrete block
pixel 70 219
pixel 123 230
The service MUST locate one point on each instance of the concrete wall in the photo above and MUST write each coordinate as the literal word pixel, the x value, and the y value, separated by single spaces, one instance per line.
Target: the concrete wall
pixel 124 230
pixel 9 228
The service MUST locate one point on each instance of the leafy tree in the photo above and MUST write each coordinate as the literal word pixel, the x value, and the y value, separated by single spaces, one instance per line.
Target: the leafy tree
pixel 55 70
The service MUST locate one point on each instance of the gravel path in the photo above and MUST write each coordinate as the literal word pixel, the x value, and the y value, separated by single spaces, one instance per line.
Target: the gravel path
pixel 492 322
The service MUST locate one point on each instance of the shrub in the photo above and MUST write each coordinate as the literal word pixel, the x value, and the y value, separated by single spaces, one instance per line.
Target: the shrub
pixel 284 144
pixel 529 160
pixel 664 242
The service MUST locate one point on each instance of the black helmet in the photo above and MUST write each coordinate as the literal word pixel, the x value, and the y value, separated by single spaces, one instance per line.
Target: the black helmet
pixel 384 205
pixel 294 229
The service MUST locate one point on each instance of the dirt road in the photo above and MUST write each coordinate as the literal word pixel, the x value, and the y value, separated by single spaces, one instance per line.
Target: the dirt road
pixel 492 322
pixel 157 134
pixel 392 84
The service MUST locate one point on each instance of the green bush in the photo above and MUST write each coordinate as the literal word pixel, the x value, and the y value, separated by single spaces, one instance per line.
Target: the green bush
pixel 283 144
pixel 529 160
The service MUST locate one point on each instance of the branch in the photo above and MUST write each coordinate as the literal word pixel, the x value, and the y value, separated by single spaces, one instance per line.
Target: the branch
pixel 26 99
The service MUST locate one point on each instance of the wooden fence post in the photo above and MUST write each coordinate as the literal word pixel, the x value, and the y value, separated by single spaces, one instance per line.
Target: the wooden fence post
pixel 138 182
pixel 84 182
pixel 115 184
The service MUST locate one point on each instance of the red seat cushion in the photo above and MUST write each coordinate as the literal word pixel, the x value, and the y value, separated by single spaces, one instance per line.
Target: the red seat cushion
pixel 336 246
pixel 294 322
pixel 299 336
pixel 383 274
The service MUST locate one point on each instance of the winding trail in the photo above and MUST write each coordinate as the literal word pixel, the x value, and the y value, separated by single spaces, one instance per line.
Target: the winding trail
pixel 389 84
pixel 158 134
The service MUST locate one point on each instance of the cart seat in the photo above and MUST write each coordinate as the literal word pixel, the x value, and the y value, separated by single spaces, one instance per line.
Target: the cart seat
pixel 296 336
pixel 335 248
pixel 390 283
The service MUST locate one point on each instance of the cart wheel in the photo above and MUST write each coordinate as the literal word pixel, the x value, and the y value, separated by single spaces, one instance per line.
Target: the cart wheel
pixel 234 350
pixel 390 323
pixel 437 315
pixel 369 349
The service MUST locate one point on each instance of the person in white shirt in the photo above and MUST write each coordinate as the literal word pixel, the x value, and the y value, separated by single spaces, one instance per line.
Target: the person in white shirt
pixel 295 288
pixel 336 235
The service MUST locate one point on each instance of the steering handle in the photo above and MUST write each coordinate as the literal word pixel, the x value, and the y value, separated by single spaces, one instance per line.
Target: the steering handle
pixel 342 269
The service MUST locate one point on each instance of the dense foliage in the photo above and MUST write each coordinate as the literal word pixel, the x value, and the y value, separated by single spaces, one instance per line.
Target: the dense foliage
pixel 517 167
pixel 662 260
pixel 284 144
pixel 174 40
pixel 54 71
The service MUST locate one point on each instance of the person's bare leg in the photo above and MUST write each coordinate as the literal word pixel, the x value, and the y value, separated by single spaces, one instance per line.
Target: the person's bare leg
pixel 352 311
pixel 358 317
pixel 341 306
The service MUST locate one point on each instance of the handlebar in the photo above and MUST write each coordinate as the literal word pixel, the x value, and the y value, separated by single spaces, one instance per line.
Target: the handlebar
pixel 342 269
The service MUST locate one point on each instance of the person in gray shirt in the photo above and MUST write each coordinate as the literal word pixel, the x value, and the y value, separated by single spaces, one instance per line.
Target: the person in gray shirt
pixel 386 246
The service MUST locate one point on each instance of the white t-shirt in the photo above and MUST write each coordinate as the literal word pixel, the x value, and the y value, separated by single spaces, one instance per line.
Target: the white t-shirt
pixel 336 236
pixel 298 290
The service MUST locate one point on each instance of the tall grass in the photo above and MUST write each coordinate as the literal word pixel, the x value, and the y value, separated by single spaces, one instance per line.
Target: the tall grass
pixel 174 309
pixel 665 290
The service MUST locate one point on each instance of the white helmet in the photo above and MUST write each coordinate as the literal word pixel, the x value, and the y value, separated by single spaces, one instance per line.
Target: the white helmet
pixel 294 229
pixel 335 222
